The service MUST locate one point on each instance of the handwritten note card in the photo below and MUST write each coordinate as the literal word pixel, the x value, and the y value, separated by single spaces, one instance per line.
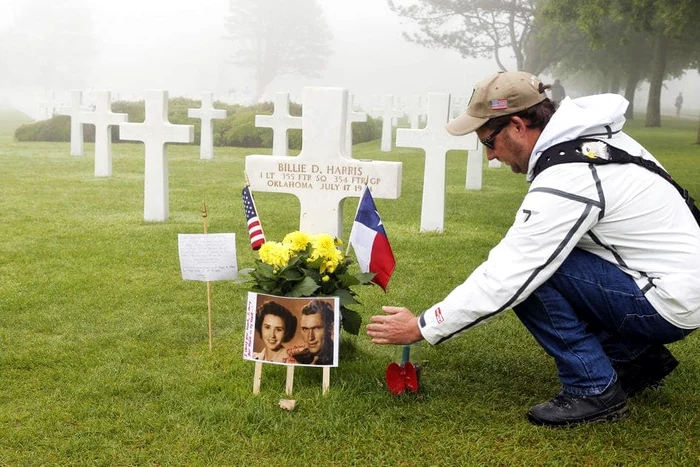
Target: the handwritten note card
pixel 208 257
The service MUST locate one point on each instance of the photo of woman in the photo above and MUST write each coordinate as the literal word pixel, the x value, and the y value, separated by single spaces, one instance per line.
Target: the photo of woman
pixel 275 325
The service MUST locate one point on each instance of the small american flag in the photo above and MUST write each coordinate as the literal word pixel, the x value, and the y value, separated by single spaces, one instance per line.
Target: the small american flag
pixel 499 104
pixel 257 236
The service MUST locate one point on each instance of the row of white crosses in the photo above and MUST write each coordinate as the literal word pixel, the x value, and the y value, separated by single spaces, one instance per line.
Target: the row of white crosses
pixel 103 118
pixel 156 131
pixel 315 184
pixel 306 178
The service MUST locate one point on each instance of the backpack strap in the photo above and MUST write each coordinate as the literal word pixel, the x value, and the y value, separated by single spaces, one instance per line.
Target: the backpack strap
pixel 571 151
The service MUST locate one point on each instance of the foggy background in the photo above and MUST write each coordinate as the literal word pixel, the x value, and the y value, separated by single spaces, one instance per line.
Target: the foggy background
pixel 180 46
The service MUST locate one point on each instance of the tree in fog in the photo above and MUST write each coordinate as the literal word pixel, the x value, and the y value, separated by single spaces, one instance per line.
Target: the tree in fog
pixel 50 45
pixel 669 26
pixel 278 37
pixel 615 62
pixel 484 28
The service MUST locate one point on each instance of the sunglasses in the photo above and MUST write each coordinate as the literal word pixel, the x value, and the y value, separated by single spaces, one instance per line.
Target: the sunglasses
pixel 488 141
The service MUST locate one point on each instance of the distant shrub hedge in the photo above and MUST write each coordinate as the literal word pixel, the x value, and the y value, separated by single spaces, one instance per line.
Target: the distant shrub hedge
pixel 237 129
pixel 11 119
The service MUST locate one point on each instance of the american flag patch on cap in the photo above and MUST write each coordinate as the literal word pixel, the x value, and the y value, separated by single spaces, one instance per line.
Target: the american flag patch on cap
pixel 499 104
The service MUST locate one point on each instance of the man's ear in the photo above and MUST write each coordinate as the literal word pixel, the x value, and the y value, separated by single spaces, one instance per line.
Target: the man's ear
pixel 519 124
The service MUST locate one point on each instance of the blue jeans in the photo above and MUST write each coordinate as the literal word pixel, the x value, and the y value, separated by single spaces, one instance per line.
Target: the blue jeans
pixel 589 314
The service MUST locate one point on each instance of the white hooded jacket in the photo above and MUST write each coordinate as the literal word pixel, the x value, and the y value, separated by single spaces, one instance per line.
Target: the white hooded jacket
pixel 623 213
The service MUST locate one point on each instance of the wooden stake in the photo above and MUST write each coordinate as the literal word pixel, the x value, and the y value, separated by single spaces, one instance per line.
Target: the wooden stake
pixel 289 385
pixel 290 380
pixel 326 385
pixel 257 377
pixel 211 333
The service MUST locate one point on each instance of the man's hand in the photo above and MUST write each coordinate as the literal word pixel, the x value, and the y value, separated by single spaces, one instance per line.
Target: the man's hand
pixel 399 326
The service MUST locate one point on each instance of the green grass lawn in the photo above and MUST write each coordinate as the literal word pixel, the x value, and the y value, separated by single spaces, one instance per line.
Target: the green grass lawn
pixel 104 356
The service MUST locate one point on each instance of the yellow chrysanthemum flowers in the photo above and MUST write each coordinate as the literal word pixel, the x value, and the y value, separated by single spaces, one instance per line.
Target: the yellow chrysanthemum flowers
pixel 324 247
pixel 297 241
pixel 275 254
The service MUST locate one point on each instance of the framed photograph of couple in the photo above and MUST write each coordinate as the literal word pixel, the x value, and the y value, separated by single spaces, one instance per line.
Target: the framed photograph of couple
pixel 292 331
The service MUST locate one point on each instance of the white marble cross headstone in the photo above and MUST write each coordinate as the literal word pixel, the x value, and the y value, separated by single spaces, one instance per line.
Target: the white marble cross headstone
pixel 475 167
pixel 103 118
pixel 280 121
pixel 388 114
pixel 47 106
pixel 155 132
pixel 414 111
pixel 206 114
pixel 475 156
pixel 458 103
pixel 373 106
pixel 353 117
pixel 435 141
pixel 76 124
pixel 321 176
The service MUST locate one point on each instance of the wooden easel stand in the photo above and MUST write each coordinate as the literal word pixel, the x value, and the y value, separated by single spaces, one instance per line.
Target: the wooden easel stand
pixel 289 385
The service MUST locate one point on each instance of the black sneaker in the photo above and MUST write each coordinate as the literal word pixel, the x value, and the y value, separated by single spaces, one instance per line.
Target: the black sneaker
pixel 646 371
pixel 569 410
